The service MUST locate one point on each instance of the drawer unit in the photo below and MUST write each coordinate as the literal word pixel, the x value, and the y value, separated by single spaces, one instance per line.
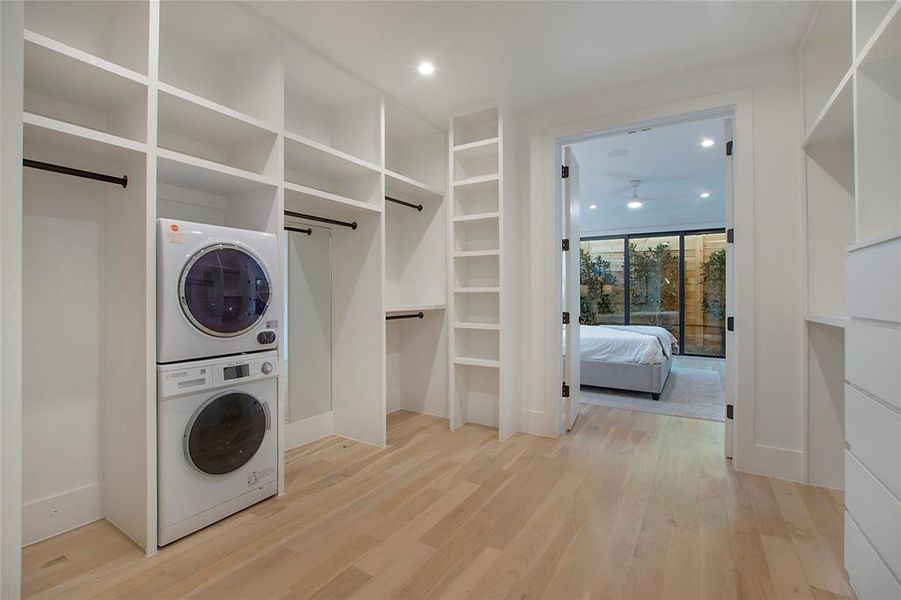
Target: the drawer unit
pixel 874 434
pixel 870 577
pixel 873 282
pixel 875 510
pixel 873 359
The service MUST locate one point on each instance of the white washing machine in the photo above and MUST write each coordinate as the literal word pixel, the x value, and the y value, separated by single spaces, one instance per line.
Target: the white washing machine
pixel 216 291
pixel 217 439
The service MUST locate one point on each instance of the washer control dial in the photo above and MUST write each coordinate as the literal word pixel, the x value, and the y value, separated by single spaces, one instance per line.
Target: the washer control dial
pixel 266 368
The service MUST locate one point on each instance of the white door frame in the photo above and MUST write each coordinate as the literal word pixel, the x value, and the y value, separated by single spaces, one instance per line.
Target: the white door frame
pixel 571 294
pixel 742 387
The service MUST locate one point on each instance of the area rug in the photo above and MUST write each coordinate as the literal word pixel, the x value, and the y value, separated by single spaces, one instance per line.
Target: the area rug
pixel 689 392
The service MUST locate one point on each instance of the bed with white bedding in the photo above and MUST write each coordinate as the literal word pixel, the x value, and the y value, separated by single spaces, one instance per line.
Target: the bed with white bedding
pixel 627 357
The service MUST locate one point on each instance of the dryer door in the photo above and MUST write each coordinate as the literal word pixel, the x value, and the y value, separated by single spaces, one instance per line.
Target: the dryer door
pixel 224 290
pixel 226 432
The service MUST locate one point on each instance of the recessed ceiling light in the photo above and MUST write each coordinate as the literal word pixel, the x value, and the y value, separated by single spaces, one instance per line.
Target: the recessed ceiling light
pixel 705 194
pixel 635 204
pixel 706 143
pixel 426 68
pixel 593 206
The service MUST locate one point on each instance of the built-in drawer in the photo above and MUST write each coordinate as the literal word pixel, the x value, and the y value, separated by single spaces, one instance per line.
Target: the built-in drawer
pixel 873 282
pixel 873 432
pixel 873 359
pixel 870 577
pixel 875 510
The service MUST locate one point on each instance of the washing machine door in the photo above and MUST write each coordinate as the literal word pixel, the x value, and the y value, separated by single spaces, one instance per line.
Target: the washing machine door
pixel 224 290
pixel 225 432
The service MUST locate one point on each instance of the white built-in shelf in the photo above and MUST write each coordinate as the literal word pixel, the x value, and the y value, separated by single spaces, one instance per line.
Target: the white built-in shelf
pixel 492 216
pixel 299 198
pixel 402 187
pixel 477 290
pixel 77 132
pixel 209 106
pixel 481 326
pixel 875 241
pixel 835 123
pixel 477 253
pixel 70 85
pixel 310 152
pixel 413 308
pixel 480 147
pixel 826 56
pixel 477 362
pixel 477 181
pixel 839 322
pixel 182 170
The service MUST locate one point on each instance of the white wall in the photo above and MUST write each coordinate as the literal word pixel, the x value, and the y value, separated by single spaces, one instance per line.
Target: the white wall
pixel 773 414
pixel 11 25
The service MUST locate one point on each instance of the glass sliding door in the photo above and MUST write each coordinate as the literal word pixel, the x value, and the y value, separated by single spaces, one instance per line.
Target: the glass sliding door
pixel 705 294
pixel 654 297
pixel 675 280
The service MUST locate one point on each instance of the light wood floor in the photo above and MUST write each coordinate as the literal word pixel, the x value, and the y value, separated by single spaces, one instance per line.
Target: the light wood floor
pixel 629 505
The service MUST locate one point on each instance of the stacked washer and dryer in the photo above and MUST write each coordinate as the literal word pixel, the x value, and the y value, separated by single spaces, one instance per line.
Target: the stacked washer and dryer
pixel 217 370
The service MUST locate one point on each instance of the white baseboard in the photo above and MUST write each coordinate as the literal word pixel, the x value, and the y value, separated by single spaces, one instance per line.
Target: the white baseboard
pixel 309 430
pixel 770 461
pixel 57 514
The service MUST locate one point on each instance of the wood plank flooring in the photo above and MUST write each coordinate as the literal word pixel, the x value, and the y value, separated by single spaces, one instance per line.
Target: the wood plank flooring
pixel 629 505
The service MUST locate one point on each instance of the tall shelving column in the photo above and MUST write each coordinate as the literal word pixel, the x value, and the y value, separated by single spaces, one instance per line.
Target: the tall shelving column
pixel 476 272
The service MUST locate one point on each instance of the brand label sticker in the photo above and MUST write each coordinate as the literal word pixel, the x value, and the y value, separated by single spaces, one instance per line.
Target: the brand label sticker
pixel 271 324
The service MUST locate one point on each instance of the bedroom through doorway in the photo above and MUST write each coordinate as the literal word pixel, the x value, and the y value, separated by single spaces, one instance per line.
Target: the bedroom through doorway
pixel 647 213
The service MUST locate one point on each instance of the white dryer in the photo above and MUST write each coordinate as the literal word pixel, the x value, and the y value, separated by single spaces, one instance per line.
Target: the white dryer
pixel 217 440
pixel 216 291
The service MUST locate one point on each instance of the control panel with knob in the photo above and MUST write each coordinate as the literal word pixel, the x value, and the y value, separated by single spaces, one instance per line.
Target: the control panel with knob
pixel 267 336
pixel 266 368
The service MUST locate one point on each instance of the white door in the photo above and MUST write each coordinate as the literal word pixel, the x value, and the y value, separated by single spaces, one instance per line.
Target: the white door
pixel 730 292
pixel 571 286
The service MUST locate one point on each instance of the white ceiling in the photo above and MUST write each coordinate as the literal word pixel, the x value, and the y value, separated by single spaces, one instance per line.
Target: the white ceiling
pixel 674 169
pixel 532 53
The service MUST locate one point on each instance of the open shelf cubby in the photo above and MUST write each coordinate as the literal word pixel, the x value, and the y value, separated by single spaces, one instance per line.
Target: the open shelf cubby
pixel 825 56
pixel 223 55
pixel 475 236
pixel 481 308
pixel 201 193
pixel 867 18
pixel 475 127
pixel 476 394
pixel 415 253
pixel 70 86
pixel 477 271
pixel 309 165
pixel 416 364
pixel 116 32
pixel 477 198
pixel 879 136
pixel 477 159
pixel 190 126
pixel 327 106
pixel 414 148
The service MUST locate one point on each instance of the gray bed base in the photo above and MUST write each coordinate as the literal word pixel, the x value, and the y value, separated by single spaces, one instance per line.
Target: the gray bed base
pixel 626 376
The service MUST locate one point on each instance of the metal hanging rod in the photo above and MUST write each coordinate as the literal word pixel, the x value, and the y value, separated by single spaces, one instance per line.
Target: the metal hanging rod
pixel 308 230
pixel 297 215
pixel 418 315
pixel 403 203
pixel 36 164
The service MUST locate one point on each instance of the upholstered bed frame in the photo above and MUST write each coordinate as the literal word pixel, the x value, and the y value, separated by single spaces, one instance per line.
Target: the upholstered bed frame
pixel 627 376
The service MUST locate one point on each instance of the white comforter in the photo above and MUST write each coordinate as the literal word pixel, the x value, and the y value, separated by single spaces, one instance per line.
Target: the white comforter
pixel 643 344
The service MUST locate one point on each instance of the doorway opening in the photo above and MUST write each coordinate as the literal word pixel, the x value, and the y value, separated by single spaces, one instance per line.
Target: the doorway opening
pixel 647 212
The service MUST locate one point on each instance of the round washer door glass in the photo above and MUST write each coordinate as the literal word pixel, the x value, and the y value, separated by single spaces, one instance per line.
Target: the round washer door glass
pixel 225 433
pixel 224 290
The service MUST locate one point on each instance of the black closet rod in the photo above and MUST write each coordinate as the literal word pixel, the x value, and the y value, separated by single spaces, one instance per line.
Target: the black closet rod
pixel 308 230
pixel 36 164
pixel 410 204
pixel 418 315
pixel 297 215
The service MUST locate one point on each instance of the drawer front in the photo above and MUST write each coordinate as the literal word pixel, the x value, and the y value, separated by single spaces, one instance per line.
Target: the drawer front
pixel 873 282
pixel 874 434
pixel 875 510
pixel 869 576
pixel 873 360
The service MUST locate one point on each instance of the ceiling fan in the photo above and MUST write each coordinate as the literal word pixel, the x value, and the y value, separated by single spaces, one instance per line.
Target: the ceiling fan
pixel 635 200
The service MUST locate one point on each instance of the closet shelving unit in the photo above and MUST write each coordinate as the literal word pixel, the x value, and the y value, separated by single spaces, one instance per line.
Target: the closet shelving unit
pixel 850 65
pixel 478 273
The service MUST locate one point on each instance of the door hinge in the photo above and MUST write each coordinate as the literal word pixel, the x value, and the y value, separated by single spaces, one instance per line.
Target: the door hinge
pixel 729 148
pixel 565 390
pixel 566 245
pixel 730 323
pixel 730 236
pixel 729 412
pixel 564 172
pixel 566 318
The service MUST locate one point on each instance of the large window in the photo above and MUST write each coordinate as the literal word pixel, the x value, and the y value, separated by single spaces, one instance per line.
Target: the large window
pixel 673 280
